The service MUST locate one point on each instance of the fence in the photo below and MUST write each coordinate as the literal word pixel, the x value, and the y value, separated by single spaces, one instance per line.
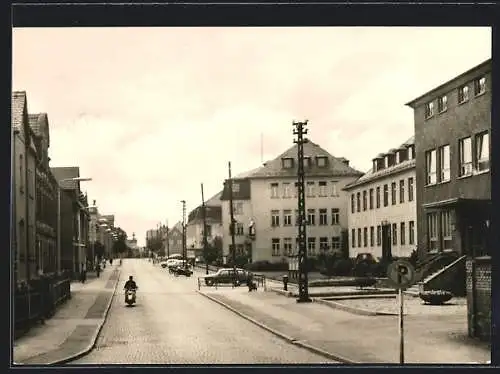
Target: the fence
pixel 38 301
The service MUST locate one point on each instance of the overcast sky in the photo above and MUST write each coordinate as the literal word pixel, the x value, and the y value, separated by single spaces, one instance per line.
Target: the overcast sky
pixel 150 113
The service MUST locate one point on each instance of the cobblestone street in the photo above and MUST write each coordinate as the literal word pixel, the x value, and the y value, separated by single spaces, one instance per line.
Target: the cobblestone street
pixel 173 324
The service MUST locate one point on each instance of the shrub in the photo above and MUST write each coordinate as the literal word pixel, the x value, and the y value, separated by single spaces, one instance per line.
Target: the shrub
pixel 266 266
pixel 353 282
pixel 342 267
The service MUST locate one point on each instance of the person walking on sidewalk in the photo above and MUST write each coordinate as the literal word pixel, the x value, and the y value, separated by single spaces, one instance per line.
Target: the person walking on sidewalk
pixel 83 273
pixel 98 270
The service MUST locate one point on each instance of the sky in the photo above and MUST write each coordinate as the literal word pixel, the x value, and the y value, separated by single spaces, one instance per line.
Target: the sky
pixel 151 113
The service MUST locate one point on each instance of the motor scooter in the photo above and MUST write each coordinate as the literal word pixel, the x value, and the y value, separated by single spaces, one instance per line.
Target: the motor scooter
pixel 130 296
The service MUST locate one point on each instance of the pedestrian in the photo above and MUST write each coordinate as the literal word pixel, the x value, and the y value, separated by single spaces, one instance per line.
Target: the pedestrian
pixel 83 273
pixel 111 261
pixel 250 283
pixel 98 270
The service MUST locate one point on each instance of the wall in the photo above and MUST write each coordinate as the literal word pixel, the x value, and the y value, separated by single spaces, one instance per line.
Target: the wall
pixel 246 215
pixel 19 187
pixel 67 230
pixel 401 212
pixel 262 204
pixel 465 119
pixel 482 326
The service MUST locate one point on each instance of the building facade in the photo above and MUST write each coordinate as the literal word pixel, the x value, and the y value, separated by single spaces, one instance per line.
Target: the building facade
pixel 106 227
pixel 174 239
pixel 194 226
pixel 272 211
pixel 384 199
pixel 46 200
pixel 452 142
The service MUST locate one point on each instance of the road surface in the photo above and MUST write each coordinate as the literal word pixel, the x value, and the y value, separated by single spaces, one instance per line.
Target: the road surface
pixel 173 324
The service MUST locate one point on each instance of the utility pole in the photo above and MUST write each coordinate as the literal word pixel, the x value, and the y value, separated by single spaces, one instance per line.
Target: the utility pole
pixel 184 254
pixel 231 225
pixel 205 243
pixel 301 198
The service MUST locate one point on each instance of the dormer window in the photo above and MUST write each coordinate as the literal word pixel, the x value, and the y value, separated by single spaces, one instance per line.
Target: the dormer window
pixel 411 152
pixel 374 166
pixel 307 162
pixel 391 159
pixel 287 163
pixel 380 163
pixel 403 155
pixel 321 161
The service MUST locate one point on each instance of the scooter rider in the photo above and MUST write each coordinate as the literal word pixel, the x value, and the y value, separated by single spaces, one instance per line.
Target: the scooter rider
pixel 130 285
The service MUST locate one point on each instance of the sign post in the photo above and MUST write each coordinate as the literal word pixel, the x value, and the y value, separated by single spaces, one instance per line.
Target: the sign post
pixel 402 274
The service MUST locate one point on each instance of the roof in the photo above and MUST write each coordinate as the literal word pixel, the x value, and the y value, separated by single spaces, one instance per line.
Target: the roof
pixel 40 125
pixel 214 200
pixel 409 142
pixel 273 169
pixel 482 64
pixel 370 175
pixel 66 172
pixel 18 106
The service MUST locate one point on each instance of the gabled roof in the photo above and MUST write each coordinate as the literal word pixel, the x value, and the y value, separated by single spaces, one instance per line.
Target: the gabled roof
pixel 18 107
pixel 336 166
pixel 66 172
pixel 40 125
pixel 214 200
pixel 370 175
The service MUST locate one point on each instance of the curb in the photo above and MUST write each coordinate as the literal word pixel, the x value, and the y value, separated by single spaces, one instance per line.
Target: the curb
pixel 285 337
pixel 350 309
pixel 93 342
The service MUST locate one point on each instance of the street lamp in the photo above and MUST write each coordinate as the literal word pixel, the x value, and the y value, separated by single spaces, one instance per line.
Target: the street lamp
pixel 59 187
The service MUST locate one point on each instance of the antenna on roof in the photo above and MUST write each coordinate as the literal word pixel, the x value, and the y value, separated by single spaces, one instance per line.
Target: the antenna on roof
pixel 261 147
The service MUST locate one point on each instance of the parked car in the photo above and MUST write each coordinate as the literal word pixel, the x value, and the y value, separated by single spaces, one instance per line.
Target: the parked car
pixel 226 275
pixel 171 262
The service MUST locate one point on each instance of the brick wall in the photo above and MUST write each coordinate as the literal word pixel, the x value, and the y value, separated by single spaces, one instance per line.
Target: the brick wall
pixel 479 320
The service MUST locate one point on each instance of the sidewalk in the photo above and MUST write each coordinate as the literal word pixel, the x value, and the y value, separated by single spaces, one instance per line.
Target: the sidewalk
pixel 350 338
pixel 74 328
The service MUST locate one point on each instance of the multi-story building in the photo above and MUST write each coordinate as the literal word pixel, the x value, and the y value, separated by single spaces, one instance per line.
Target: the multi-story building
pixel 383 200
pixel 453 150
pixel 174 238
pixel 23 188
pixel 106 227
pixel 266 200
pixel 46 199
pixel 194 226
pixel 74 219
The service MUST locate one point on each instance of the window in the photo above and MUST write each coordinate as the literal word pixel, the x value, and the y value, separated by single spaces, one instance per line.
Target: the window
pixel 358 200
pixel 235 187
pixel 394 234
pixel 482 152
pixel 335 192
pixel 442 103
pixel 378 197
pixel 411 152
pixel 365 236
pixel 239 229
pixel 401 191
pixel 311 217
pixel 430 167
pixel 321 162
pixel 432 231
pixel 323 217
pixel 429 109
pixel 287 163
pixel 336 242
pixel 411 233
pixel 286 190
pixel 323 244
pixel 402 233
pixel 446 229
pixel 238 208
pixel 444 163
pixel 287 218
pixel 297 217
pixel 353 238
pixel 322 189
pixel 410 189
pixel 240 249
pixel 463 94
pixel 335 216
pixel 274 190
pixel 353 203
pixel 379 234
pixel 364 201
pixel 296 192
pixel 386 195
pixel 371 198
pixel 275 242
pixel 372 236
pixel 311 246
pixel 479 86
pixel 287 246
pixel 393 193
pixel 465 156
pixel 359 237
pixel 275 218
pixel 310 189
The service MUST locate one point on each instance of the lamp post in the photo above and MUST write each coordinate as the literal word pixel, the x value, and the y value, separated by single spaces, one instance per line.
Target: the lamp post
pixel 59 188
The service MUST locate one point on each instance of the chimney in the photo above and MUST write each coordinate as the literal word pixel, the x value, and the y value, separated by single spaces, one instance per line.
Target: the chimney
pixel 93 203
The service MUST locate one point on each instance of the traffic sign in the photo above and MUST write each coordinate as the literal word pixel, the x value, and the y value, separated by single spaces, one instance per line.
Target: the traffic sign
pixel 401 273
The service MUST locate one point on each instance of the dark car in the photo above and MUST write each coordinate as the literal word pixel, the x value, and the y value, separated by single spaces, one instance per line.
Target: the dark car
pixel 227 276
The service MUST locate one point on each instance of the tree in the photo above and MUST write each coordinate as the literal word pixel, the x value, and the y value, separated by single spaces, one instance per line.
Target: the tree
pixel 214 250
pixel 98 250
pixel 120 244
